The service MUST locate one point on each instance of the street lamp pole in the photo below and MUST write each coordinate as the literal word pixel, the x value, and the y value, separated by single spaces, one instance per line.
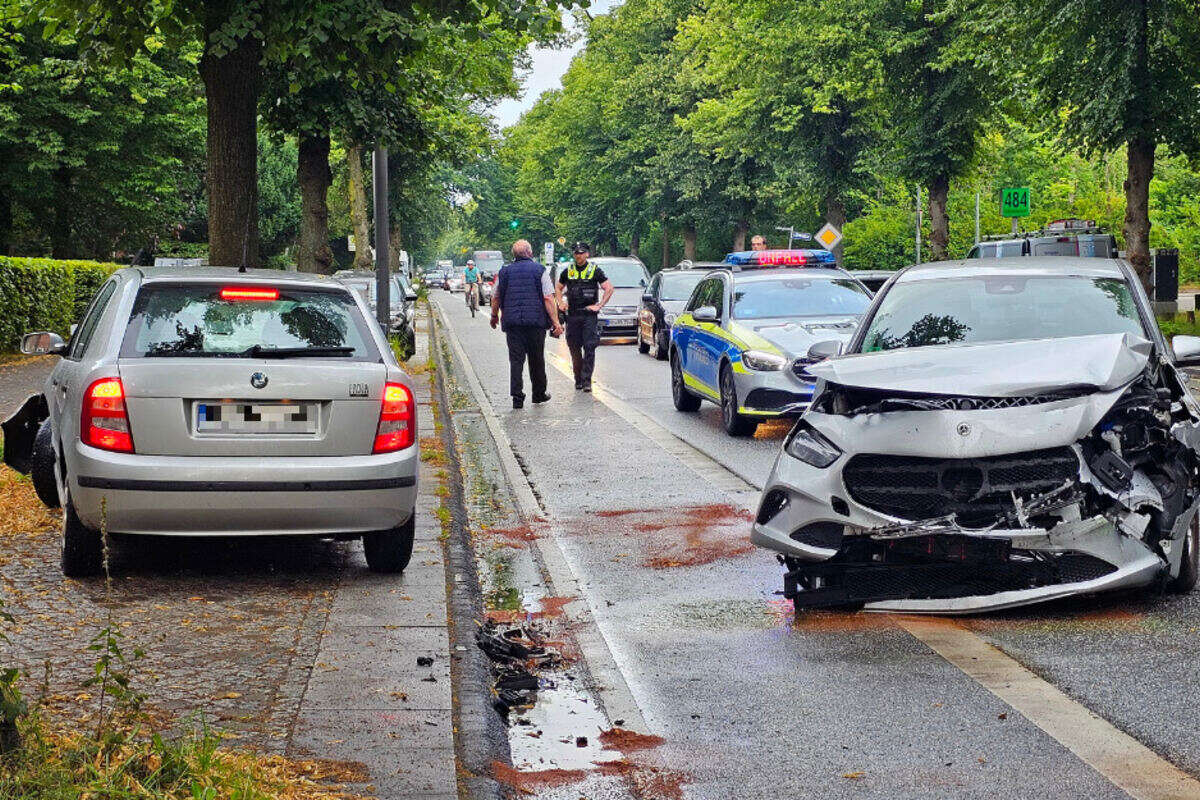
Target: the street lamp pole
pixel 383 300
pixel 791 232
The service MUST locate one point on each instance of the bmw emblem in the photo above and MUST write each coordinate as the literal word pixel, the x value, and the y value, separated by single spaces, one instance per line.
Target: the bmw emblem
pixel 964 429
pixel 258 380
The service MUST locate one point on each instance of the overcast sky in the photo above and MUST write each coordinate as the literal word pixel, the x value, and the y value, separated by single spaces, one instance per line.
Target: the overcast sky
pixel 547 71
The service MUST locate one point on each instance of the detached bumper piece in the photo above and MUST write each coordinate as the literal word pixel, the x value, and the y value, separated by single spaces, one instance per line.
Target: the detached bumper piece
pixel 931 568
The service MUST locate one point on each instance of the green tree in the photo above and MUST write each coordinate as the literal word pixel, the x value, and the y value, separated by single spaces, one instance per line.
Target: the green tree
pixel 94 160
pixel 1123 74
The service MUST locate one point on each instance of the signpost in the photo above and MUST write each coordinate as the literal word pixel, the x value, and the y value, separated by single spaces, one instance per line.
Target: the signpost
pixel 1014 202
pixel 548 253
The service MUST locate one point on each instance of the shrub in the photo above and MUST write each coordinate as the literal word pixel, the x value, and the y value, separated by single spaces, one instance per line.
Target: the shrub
pixel 45 294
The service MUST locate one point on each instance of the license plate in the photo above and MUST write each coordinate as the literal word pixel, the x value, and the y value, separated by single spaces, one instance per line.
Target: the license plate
pixel 235 418
pixel 620 322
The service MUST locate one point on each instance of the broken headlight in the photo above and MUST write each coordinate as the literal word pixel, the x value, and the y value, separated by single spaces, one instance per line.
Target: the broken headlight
pixel 763 362
pixel 806 444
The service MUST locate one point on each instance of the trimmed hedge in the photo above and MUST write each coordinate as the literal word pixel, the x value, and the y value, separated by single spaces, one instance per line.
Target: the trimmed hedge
pixel 45 294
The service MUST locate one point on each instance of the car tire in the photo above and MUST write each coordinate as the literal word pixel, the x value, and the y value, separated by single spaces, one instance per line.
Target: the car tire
pixel 390 551
pixel 683 399
pixel 643 346
pixel 660 349
pixel 734 423
pixel 82 547
pixel 42 465
pixel 1189 566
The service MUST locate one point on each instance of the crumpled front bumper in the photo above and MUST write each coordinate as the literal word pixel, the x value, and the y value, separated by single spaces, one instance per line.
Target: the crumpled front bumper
pixel 813 496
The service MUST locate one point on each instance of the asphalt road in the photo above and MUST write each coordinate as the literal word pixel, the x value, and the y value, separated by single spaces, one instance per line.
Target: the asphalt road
pixel 754 702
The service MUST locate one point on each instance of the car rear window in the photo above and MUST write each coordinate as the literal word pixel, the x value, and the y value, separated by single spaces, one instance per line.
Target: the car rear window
pixel 196 320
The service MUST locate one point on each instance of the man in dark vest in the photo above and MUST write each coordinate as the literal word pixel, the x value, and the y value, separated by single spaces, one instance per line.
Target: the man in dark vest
pixel 523 305
pixel 587 289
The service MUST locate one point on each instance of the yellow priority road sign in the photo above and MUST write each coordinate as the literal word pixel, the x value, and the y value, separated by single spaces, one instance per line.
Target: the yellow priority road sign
pixel 828 237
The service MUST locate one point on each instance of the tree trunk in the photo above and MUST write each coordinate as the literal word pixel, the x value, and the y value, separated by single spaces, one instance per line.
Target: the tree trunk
pixel 60 234
pixel 739 235
pixel 689 241
pixel 313 175
pixel 1137 207
pixel 231 87
pixel 635 242
pixel 358 209
pixel 835 215
pixel 6 221
pixel 394 249
pixel 939 221
pixel 666 244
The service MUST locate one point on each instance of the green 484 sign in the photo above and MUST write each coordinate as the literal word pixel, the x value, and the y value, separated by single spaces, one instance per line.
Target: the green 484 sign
pixel 1014 202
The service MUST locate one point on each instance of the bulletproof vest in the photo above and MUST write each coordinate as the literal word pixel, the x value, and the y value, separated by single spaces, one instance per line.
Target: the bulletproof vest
pixel 582 290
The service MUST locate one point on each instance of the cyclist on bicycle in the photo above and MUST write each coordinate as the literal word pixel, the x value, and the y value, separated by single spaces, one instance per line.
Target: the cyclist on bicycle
pixel 471 282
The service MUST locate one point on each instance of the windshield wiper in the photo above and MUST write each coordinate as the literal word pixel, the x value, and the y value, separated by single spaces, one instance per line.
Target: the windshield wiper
pixel 258 351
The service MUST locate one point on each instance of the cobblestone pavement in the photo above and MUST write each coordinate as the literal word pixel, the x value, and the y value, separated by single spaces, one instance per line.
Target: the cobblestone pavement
pixel 291 645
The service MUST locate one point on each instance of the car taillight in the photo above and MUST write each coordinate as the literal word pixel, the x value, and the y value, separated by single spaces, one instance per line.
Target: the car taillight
pixel 396 417
pixel 105 422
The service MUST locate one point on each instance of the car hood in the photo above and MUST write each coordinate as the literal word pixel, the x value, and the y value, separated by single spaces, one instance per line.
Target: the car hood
pixel 673 306
pixel 1101 363
pixel 793 337
pixel 626 296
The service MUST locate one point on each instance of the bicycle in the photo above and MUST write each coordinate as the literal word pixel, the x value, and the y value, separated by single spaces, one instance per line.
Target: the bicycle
pixel 472 297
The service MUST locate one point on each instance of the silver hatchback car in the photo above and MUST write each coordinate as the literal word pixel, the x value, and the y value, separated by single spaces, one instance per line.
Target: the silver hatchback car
pixel 219 402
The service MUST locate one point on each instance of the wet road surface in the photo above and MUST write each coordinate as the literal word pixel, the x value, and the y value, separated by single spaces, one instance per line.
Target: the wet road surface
pixel 754 702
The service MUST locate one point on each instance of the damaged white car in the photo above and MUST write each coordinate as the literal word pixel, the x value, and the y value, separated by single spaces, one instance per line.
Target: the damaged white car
pixel 996 434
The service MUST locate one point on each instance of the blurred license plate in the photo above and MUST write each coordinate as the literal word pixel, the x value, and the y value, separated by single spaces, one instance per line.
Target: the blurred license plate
pixel 223 417
pixel 620 322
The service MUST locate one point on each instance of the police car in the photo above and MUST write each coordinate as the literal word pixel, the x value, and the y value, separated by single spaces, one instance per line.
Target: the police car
pixel 742 340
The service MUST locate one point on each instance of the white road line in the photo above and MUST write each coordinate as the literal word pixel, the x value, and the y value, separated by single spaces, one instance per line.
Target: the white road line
pixel 613 690
pixel 1120 758
pixel 695 459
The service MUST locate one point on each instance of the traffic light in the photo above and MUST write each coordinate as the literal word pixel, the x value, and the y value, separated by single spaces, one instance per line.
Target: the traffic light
pixel 516 223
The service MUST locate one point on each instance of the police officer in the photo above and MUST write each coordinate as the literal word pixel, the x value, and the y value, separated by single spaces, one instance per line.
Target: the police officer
pixel 587 289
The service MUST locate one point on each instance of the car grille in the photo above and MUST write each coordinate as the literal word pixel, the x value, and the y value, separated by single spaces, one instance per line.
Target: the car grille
pixel 977 490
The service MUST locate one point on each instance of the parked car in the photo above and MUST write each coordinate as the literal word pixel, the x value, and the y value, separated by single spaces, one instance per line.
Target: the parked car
pixel 629 278
pixel 400 297
pixel 662 302
pixel 996 434
pixel 742 340
pixel 217 402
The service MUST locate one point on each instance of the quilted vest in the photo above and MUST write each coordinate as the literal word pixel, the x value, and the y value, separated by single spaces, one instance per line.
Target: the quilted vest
pixel 522 303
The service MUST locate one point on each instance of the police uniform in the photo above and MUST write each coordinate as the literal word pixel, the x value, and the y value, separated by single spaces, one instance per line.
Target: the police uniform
pixel 582 289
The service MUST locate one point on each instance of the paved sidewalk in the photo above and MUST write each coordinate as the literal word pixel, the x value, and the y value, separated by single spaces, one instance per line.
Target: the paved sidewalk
pixel 21 378
pixel 368 700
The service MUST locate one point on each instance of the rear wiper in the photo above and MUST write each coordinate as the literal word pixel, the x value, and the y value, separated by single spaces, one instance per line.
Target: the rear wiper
pixel 258 351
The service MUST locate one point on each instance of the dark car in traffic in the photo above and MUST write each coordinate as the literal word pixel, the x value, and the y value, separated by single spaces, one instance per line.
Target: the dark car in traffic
pixel 663 299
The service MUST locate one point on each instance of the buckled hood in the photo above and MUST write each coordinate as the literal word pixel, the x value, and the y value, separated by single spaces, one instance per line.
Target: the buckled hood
pixel 1101 363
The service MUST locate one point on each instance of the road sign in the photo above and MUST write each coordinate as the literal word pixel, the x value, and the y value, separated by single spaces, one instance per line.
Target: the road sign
pixel 828 237
pixel 562 240
pixel 350 243
pixel 548 253
pixel 1014 202
pixel 804 237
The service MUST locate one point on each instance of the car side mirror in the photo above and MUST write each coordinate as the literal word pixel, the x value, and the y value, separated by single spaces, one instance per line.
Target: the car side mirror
pixel 1187 350
pixel 826 349
pixel 706 314
pixel 42 343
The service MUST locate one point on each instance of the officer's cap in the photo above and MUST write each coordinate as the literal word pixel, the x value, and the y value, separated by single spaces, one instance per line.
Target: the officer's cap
pixel 580 247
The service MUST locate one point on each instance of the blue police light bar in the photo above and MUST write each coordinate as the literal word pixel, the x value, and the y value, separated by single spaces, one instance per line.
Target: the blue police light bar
pixel 780 258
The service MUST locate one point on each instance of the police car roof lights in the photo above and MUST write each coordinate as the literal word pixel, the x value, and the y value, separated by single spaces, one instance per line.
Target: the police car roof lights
pixel 780 258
